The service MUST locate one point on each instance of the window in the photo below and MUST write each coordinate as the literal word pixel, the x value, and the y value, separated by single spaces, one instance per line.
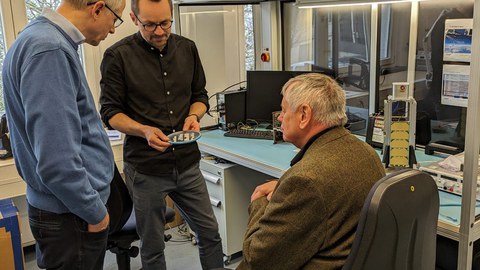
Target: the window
pixel 224 19
pixel 224 35
pixel 310 35
pixel 33 9
pixel 446 124
pixel 249 38
pixel 338 39
pixel 353 34
pixel 298 38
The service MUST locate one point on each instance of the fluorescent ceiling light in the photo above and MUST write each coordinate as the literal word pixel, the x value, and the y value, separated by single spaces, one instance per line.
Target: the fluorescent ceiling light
pixel 340 3
pixel 204 12
pixel 207 1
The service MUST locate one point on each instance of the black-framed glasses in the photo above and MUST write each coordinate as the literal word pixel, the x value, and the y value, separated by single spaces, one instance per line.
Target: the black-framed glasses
pixel 118 20
pixel 151 27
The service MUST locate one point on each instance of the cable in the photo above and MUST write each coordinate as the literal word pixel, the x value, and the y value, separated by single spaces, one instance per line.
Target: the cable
pixel 182 231
pixel 215 108
pixel 227 89
pixel 252 123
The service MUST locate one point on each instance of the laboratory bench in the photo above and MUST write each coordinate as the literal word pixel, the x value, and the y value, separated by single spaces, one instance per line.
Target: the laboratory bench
pixel 272 160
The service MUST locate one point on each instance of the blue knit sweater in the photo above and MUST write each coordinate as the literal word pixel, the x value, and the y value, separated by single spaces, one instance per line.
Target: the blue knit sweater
pixel 60 147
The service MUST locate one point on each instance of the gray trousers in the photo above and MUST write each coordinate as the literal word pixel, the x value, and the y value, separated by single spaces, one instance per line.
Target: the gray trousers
pixel 189 192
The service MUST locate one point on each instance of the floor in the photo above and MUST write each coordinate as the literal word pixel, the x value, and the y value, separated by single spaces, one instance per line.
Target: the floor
pixel 181 254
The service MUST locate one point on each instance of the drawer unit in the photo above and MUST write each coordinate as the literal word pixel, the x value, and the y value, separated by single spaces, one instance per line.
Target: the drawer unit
pixel 230 187
pixel 215 189
pixel 11 185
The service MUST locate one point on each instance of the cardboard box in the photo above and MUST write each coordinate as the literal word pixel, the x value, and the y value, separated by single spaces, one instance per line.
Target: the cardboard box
pixel 178 218
pixel 11 252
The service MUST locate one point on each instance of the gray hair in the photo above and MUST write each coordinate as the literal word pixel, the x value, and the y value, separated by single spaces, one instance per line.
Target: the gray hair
pixel 113 4
pixel 322 93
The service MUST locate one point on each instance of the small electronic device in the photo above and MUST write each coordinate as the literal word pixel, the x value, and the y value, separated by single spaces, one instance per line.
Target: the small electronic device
pixel 449 181
pixel 400 90
pixel 375 135
pixel 276 126
pixel 399 129
pixel 183 137
pixel 354 122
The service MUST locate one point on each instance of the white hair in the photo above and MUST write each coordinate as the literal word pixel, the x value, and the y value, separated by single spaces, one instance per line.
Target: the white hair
pixel 113 4
pixel 322 93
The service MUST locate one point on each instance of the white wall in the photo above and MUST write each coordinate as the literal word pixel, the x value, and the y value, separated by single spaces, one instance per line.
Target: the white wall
pixel 93 55
pixel 216 30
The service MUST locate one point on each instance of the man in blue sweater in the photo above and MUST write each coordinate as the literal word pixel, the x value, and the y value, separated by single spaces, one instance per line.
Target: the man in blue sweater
pixel 59 145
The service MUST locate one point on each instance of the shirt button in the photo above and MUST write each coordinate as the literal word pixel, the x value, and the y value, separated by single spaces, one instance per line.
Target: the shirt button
pixel 151 48
pixel 165 73
pixel 171 112
pixel 161 55
pixel 168 92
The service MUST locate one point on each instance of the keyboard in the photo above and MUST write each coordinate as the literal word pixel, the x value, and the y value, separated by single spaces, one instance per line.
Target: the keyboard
pixel 355 122
pixel 250 134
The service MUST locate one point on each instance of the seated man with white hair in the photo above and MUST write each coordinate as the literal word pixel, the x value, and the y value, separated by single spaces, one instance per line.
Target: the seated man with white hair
pixel 307 219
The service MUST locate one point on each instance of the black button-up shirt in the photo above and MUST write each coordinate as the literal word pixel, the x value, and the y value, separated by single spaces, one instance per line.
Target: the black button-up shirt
pixel 154 88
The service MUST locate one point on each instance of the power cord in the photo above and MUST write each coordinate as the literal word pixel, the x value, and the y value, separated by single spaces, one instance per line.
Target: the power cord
pixel 215 108
pixel 181 232
pixel 241 88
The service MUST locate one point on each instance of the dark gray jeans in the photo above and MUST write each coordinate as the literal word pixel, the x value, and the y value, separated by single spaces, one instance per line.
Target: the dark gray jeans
pixel 63 242
pixel 189 192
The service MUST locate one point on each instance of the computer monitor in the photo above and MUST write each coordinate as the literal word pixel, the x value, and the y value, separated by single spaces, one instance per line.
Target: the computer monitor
pixel 455 85
pixel 264 93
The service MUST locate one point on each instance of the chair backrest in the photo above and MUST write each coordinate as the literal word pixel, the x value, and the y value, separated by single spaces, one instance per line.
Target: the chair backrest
pixel 119 203
pixel 398 224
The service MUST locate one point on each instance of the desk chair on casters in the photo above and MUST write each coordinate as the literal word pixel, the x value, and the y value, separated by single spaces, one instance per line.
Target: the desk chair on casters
pixel 397 228
pixel 123 224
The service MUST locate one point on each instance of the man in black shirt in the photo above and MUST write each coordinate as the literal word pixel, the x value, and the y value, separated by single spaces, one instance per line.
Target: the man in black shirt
pixel 153 84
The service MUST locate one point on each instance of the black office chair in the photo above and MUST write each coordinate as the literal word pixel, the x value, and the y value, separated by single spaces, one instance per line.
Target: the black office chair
pixel 398 224
pixel 361 81
pixel 123 224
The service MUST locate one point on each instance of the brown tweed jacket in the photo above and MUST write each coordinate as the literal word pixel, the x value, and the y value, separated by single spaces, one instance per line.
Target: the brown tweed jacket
pixel 311 219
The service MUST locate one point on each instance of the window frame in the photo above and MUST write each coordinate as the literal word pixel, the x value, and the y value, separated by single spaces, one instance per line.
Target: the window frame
pixel 385 60
pixel 14 18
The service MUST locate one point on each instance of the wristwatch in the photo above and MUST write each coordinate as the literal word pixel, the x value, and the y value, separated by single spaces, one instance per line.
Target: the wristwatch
pixel 198 118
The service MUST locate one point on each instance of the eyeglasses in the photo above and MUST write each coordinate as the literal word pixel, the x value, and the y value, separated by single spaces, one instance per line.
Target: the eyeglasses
pixel 151 27
pixel 118 20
